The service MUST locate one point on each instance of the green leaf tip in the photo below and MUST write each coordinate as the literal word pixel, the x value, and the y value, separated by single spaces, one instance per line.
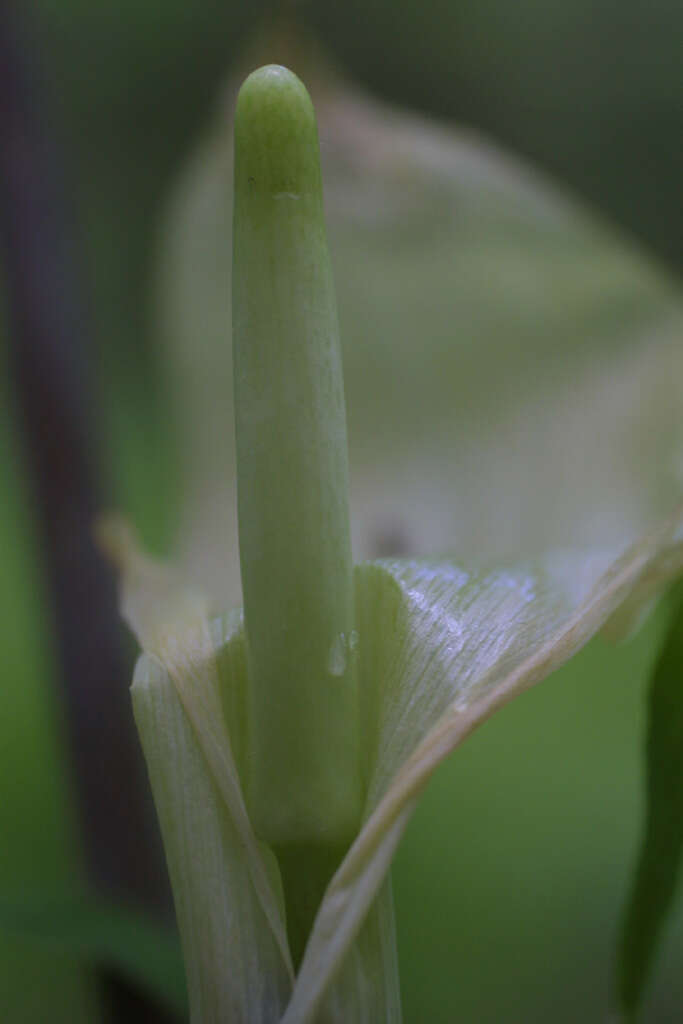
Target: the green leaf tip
pixel 304 780
pixel 661 852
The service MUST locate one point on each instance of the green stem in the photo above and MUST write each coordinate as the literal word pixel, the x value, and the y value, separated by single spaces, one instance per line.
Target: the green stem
pixel 304 781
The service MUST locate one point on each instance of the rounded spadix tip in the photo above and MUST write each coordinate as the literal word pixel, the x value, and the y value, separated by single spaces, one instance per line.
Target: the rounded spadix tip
pixel 276 140
pixel 274 83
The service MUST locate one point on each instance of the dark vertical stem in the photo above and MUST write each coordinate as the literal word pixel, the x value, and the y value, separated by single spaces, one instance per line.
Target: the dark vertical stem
pixel 49 342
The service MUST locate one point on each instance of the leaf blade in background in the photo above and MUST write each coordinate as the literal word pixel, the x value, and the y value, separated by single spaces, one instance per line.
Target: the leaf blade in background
pixel 505 353
pixel 655 880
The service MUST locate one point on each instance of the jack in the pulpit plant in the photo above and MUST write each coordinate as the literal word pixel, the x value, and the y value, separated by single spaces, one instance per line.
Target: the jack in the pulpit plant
pixel 288 743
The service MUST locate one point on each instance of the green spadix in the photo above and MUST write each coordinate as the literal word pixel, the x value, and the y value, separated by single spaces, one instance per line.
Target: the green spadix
pixel 304 779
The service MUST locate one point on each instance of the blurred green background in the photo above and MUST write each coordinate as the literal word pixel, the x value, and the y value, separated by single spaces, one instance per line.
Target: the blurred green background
pixel 510 881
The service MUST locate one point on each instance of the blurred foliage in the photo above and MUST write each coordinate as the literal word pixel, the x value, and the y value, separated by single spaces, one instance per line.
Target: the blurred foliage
pixel 509 882
pixel 592 91
pixel 97 932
